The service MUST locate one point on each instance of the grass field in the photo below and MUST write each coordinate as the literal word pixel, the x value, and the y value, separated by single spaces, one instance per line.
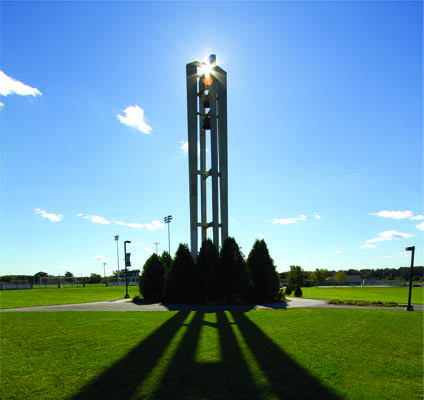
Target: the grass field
pixel 73 295
pixel 315 354
pixel 373 294
pixel 45 297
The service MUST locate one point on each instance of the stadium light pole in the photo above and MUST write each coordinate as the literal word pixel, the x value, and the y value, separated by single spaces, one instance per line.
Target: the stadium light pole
pixel 156 244
pixel 168 220
pixel 412 250
pixel 117 254
pixel 127 296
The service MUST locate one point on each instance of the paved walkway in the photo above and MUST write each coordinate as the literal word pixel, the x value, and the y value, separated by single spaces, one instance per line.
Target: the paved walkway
pixel 128 305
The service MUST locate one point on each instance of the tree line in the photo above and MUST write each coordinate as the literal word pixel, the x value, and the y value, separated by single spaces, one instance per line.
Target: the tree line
pixel 213 277
pixel 310 278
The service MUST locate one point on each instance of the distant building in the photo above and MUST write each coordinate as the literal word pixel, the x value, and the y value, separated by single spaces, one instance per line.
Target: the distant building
pixel 133 277
pixel 350 280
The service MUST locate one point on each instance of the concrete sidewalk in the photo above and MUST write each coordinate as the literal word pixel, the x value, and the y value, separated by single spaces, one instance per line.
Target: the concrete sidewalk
pixel 128 305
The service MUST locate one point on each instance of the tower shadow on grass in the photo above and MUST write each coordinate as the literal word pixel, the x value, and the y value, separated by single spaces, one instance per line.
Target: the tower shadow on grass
pixel 267 373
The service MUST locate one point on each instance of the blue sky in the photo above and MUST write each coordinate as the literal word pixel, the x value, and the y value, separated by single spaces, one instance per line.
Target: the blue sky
pixel 325 130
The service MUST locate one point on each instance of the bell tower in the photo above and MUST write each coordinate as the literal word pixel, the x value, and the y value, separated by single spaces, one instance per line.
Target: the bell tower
pixel 208 169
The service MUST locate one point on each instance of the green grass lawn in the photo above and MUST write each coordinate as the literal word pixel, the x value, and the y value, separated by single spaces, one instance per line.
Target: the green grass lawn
pixel 303 353
pixel 374 294
pixel 72 295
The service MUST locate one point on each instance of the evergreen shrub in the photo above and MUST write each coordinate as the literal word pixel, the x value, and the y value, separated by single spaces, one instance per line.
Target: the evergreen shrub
pixel 298 291
pixel 262 272
pixel 208 276
pixel 151 281
pixel 236 284
pixel 179 286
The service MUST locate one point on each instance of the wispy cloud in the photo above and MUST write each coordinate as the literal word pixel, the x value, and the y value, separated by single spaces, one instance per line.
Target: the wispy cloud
pixel 420 227
pixel 260 236
pixel 318 216
pixel 134 117
pixel 97 219
pixel 52 217
pixel 338 252
pixel 287 221
pixel 65 267
pixel 94 218
pixel 136 225
pixel 406 214
pixel 149 250
pixel 9 86
pixel 353 174
pixel 390 235
pixel 101 258
pixel 367 246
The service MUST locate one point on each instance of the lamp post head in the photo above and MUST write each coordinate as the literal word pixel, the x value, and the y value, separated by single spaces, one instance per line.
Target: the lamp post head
pixel 116 237
pixel 412 248
pixel 127 241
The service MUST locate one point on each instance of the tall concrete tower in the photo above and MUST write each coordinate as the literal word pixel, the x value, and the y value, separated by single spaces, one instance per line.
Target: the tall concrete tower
pixel 207 125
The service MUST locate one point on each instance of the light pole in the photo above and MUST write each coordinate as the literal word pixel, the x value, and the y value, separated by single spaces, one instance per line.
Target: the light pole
pixel 168 220
pixel 156 244
pixel 410 307
pixel 127 296
pixel 117 255
pixel 104 272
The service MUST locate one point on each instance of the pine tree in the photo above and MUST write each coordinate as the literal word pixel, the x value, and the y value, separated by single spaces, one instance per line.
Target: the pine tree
pixel 152 279
pixel 262 272
pixel 208 277
pixel 237 287
pixel 179 286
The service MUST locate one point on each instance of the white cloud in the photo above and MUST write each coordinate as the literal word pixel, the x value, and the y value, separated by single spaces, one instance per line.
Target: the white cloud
pixel 367 246
pixel 286 221
pixel 353 174
pixel 134 117
pixel 94 218
pixel 52 217
pixel 135 225
pixel 65 267
pixel 101 258
pixel 390 235
pixel 338 252
pixel 1 104
pixel 404 254
pixel 318 216
pixel 406 214
pixel 260 236
pixel 154 225
pixel 9 85
pixel 420 227
pixel 394 214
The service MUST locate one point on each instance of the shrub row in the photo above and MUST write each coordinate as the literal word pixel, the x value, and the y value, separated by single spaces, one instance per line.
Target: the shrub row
pixel 213 278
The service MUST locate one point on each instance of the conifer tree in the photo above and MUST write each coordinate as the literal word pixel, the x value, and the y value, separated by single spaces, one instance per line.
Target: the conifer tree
pixel 262 272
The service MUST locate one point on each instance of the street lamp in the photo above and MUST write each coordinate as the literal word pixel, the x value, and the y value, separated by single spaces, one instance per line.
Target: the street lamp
pixel 104 271
pixel 127 263
pixel 168 220
pixel 410 307
pixel 117 254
